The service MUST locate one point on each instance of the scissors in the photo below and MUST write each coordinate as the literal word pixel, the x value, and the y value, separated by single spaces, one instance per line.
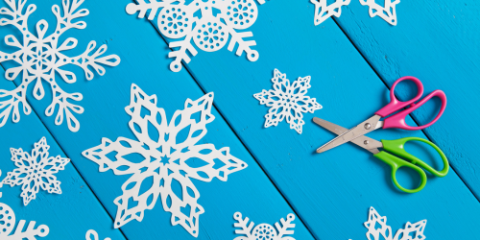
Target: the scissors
pixel 397 120
pixel 394 151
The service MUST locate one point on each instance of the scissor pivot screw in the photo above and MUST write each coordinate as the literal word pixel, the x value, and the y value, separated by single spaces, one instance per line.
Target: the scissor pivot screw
pixel 368 126
pixel 366 142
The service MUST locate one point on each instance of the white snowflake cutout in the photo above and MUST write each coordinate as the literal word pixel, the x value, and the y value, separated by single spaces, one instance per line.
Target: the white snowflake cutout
pixel 378 228
pixel 387 13
pixel 324 11
pixel 287 101
pixel 41 58
pixel 35 171
pixel 263 231
pixel 7 224
pixel 93 235
pixel 168 157
pixel 210 31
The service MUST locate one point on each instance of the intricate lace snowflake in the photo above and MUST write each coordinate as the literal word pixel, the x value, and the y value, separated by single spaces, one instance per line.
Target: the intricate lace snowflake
pixel 166 153
pixel 40 58
pixel 210 31
pixel 263 231
pixel 7 224
pixel 93 235
pixel 378 228
pixel 287 101
pixel 386 12
pixel 324 12
pixel 35 171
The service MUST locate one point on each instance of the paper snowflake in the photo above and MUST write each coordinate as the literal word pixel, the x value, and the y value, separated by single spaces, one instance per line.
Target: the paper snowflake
pixel 40 58
pixel 93 235
pixel 210 31
pixel 378 228
pixel 287 101
pixel 7 224
pixel 387 12
pixel 35 171
pixel 167 153
pixel 263 231
pixel 324 11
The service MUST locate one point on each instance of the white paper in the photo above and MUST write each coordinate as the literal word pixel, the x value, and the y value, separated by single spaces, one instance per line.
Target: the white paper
pixel 247 231
pixel 93 235
pixel 324 11
pixel 387 12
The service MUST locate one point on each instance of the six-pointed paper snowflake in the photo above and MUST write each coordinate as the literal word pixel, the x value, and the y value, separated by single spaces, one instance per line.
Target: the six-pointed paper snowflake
pixel 263 231
pixel 40 58
pixel 93 235
pixel 35 171
pixel 287 101
pixel 323 11
pixel 210 31
pixel 7 224
pixel 378 229
pixel 169 155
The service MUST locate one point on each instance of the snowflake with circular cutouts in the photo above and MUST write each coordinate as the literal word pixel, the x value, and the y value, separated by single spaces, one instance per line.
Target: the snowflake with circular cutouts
pixel 287 101
pixel 263 231
pixel 7 224
pixel 93 235
pixel 35 171
pixel 167 152
pixel 210 31
pixel 378 229
pixel 40 58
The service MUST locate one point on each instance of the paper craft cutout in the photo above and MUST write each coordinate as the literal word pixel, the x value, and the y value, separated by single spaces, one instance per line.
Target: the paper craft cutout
pixel 168 154
pixel 379 230
pixel 35 171
pixel 287 101
pixel 93 235
pixel 199 20
pixel 387 13
pixel 7 224
pixel 263 231
pixel 40 58
pixel 324 12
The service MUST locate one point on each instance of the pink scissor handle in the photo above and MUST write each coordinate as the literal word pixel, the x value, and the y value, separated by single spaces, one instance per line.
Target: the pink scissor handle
pixel 398 120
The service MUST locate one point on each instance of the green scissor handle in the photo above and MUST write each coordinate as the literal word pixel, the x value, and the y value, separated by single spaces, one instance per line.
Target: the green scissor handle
pixel 397 148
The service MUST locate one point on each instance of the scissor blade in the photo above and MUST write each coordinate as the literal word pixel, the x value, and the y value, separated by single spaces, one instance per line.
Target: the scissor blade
pixel 363 141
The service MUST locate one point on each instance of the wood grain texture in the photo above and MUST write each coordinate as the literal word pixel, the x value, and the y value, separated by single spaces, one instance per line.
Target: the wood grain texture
pixel 144 63
pixel 436 41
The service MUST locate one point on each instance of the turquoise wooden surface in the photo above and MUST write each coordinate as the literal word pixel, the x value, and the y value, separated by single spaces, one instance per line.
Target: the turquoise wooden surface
pixel 329 193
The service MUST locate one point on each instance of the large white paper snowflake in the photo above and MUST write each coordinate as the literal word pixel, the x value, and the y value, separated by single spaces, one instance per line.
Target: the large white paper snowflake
pixel 378 229
pixel 40 58
pixel 386 12
pixel 287 101
pixel 35 171
pixel 7 224
pixel 263 231
pixel 324 11
pixel 198 20
pixel 167 153
pixel 93 235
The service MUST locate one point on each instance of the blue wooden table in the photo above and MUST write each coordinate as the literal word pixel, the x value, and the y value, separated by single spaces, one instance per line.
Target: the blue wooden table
pixel 352 60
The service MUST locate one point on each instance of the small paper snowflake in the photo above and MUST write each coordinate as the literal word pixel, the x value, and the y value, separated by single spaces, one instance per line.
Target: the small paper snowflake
pixel 378 228
pixel 35 171
pixel 387 12
pixel 167 153
pixel 41 58
pixel 7 224
pixel 287 101
pixel 263 231
pixel 210 31
pixel 324 11
pixel 93 235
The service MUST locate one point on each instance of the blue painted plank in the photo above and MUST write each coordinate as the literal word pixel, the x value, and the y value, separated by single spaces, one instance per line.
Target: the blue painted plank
pixel 68 215
pixel 105 98
pixel 331 191
pixel 438 43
